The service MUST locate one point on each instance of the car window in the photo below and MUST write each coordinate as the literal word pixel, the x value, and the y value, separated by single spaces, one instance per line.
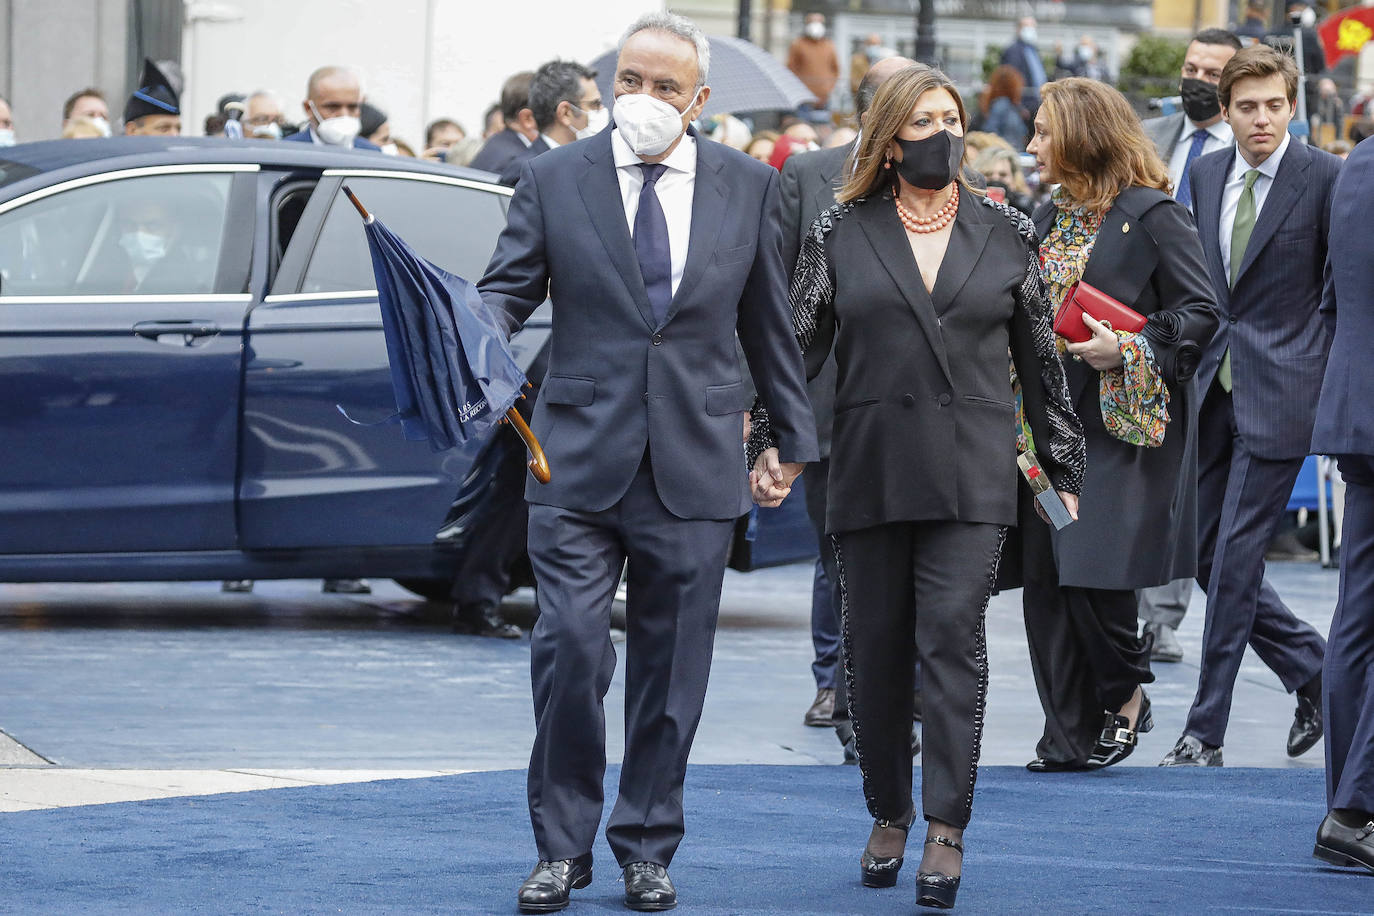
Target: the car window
pixel 154 235
pixel 455 227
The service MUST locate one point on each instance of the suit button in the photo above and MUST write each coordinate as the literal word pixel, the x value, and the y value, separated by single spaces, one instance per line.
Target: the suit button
pixel 945 399
pixel 1231 318
pixel 645 396
pixel 908 400
pixel 658 339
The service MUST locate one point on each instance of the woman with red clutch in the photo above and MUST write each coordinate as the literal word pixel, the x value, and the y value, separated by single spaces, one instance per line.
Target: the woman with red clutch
pixel 1112 227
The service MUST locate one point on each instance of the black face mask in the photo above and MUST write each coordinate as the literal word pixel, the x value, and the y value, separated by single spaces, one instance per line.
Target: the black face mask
pixel 931 163
pixel 1200 102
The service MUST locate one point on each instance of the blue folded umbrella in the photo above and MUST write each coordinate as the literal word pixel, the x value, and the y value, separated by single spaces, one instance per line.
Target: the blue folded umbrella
pixel 451 369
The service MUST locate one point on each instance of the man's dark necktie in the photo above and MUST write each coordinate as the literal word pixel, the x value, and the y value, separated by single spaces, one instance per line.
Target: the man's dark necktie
pixel 651 243
pixel 1185 190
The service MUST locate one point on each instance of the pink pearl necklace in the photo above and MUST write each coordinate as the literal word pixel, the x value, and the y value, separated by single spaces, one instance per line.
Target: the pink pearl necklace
pixel 923 225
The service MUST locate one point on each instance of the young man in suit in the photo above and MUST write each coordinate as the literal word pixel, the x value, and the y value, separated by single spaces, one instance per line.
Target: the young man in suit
pixel 1262 214
pixel 1345 428
pixel 656 248
pixel 333 107
pixel 1181 138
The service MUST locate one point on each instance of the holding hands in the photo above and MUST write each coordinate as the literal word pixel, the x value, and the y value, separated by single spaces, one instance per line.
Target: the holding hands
pixel 770 481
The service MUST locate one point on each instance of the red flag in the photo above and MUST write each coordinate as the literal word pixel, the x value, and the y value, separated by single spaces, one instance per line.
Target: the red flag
pixel 1346 33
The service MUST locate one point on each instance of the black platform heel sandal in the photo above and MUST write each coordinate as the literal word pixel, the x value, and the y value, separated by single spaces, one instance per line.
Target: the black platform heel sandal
pixel 933 888
pixel 1118 739
pixel 881 871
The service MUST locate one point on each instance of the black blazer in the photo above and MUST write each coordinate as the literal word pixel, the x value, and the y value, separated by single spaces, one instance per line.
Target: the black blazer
pixel 1269 321
pixel 1137 522
pixel 1345 413
pixel 510 175
pixel 925 423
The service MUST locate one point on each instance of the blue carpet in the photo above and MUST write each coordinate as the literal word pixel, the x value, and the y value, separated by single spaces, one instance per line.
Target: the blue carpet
pixel 760 840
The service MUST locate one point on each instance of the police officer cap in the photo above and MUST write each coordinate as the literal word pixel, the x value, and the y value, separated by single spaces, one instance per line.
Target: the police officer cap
pixel 155 95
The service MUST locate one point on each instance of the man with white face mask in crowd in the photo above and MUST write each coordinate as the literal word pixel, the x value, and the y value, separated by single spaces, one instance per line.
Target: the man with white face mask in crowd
pixel 566 105
pixel 333 104
pixel 87 105
pixel 262 116
pixel 655 247
pixel 1024 55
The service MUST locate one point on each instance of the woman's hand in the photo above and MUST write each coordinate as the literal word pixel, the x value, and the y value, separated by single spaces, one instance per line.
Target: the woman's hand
pixel 1070 501
pixel 1102 351
pixel 770 481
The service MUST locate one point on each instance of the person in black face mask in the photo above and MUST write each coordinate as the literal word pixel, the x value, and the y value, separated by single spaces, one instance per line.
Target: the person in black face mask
pixel 920 287
pixel 1198 129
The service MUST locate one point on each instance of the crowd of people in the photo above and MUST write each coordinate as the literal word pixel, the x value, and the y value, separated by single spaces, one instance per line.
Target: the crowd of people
pixel 1144 322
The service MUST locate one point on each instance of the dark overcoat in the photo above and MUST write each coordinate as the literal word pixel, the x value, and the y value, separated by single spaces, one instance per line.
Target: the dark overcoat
pixel 1137 522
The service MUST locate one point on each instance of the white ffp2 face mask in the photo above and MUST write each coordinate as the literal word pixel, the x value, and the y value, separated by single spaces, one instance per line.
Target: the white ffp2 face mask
pixel 596 123
pixel 338 131
pixel 647 124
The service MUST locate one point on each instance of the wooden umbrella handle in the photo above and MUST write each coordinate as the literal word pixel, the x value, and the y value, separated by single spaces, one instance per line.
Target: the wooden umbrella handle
pixel 358 204
pixel 538 464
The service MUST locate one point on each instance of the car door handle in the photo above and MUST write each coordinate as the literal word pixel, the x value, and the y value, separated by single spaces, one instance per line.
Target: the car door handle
pixel 184 332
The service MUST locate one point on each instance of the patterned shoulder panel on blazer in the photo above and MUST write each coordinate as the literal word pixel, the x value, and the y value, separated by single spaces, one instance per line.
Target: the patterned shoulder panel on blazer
pixel 812 289
pixel 1067 447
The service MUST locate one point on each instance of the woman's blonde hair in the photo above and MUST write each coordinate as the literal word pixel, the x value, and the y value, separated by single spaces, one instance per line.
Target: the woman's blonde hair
pixel 1097 146
pixel 990 157
pixel 885 117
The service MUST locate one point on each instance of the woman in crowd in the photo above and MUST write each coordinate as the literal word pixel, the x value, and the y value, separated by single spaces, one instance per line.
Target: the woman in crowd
pixel 920 287
pixel 1001 106
pixel 1002 169
pixel 1112 224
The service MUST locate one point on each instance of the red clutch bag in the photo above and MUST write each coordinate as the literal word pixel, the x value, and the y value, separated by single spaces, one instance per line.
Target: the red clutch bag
pixel 1083 297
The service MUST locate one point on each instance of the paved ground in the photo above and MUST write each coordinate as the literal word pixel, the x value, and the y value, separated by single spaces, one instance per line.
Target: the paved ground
pixel 116 692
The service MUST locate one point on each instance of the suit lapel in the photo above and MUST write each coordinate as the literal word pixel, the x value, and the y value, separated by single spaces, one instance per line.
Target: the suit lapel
pixel 966 242
pixel 708 212
pixel 600 190
pixel 1288 187
pixel 1207 216
pixel 888 238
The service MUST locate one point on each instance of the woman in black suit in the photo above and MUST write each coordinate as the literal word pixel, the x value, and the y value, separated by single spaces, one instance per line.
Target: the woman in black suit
pixel 920 287
pixel 1112 224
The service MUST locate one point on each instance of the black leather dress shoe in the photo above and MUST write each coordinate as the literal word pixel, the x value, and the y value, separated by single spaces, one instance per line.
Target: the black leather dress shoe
pixel 549 886
pixel 1191 752
pixel 1118 739
pixel 1345 846
pixel 1307 720
pixel 648 887
pixel 483 620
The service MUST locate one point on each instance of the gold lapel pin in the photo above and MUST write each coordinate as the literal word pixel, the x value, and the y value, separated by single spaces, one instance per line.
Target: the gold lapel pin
pixel 1125 227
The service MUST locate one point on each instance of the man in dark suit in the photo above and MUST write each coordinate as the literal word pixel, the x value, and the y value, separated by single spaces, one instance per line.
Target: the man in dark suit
pixel 520 131
pixel 566 106
pixel 1023 54
pixel 333 107
pixel 656 247
pixel 807 185
pixel 1345 428
pixel 1181 138
pixel 1262 213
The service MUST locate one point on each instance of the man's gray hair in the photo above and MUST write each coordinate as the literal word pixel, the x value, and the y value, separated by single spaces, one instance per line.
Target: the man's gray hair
pixel 680 26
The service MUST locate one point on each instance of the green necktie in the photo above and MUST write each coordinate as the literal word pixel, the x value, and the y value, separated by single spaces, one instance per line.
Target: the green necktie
pixel 1240 237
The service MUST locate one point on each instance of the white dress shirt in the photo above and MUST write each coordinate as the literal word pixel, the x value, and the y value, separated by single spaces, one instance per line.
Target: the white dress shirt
pixel 549 141
pixel 675 188
pixel 1230 194
pixel 1219 136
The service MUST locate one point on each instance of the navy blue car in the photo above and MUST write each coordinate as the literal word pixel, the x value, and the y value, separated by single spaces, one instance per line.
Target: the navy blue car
pixel 183 324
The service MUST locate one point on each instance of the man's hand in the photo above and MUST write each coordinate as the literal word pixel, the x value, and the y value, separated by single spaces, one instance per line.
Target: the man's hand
pixel 770 481
pixel 1102 351
pixel 1070 501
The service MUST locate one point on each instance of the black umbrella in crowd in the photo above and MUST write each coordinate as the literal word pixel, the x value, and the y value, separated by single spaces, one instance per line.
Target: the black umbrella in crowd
pixel 743 77
pixel 451 370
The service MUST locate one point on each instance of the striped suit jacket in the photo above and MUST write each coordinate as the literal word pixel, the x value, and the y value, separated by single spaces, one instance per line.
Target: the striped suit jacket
pixel 1270 320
